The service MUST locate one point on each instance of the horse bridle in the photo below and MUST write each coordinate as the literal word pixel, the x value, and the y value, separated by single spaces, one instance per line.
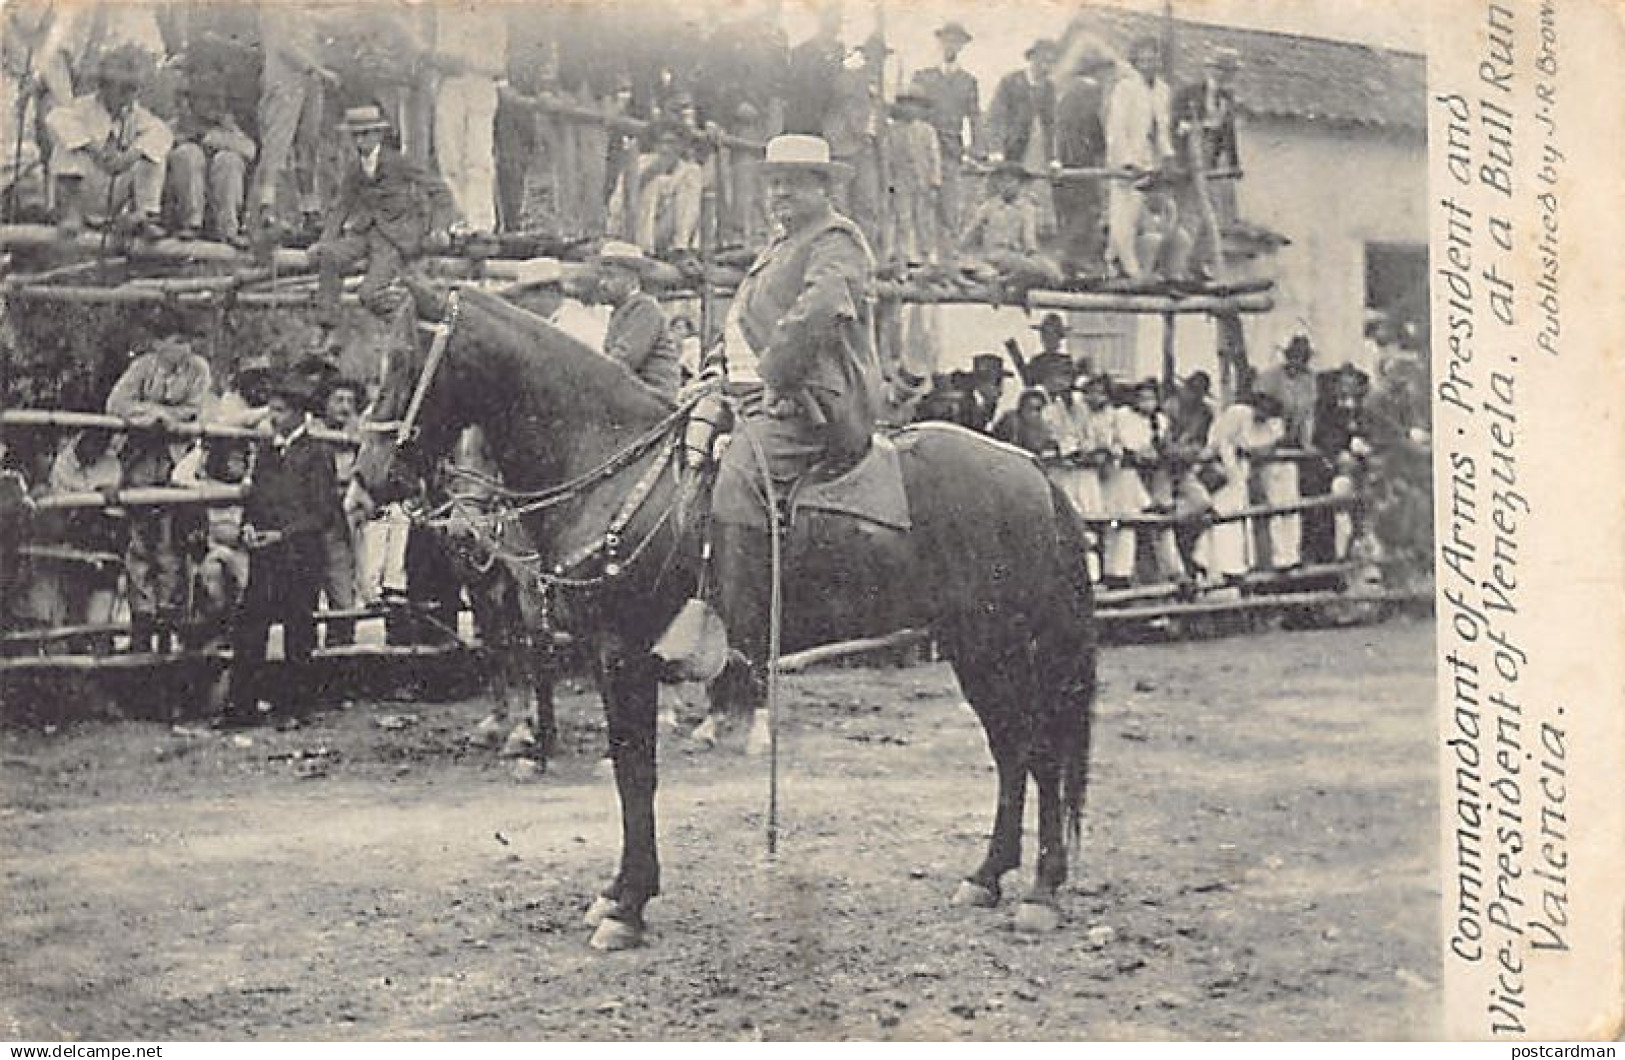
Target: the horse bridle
pixel 509 504
pixel 405 428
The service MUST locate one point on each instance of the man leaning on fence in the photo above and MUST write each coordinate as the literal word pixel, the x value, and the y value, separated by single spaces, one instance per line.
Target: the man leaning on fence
pixel 163 388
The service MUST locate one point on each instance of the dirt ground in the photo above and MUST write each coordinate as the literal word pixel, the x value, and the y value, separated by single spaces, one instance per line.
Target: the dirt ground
pixel 1259 863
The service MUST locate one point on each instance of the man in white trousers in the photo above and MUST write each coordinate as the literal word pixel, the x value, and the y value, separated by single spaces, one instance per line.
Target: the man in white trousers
pixel 471 55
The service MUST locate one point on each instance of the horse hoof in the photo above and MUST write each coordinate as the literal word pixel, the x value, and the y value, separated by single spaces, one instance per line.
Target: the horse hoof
pixel 521 742
pixel 487 734
pixel 705 734
pixel 1036 918
pixel 974 896
pixel 612 936
pixel 760 740
pixel 601 907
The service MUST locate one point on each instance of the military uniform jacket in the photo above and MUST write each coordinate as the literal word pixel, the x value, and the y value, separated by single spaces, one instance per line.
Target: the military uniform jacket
pixel 403 202
pixel 805 310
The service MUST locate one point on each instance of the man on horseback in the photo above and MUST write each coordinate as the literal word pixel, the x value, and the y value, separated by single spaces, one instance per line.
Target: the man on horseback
pixel 800 366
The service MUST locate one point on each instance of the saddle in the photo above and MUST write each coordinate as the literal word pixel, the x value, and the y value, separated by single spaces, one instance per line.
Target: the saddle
pixel 870 490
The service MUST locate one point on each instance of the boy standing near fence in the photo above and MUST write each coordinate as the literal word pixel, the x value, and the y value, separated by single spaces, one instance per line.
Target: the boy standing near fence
pixel 292 502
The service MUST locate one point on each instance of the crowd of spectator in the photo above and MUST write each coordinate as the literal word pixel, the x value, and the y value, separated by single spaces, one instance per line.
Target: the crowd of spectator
pixel 1155 467
pixel 185 574
pixel 236 122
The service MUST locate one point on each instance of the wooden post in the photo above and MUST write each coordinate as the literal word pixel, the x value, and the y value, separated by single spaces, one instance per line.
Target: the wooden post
pixel 1168 367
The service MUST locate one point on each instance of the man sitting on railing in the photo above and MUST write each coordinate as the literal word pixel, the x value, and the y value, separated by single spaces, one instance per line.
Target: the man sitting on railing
pixel 163 388
pixel 1001 239
pixel 290 505
pixel 109 153
pixel 208 167
pixel 389 211
pixel 1024 425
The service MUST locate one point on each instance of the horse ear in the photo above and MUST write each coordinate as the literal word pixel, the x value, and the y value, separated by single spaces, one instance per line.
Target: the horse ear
pixel 427 300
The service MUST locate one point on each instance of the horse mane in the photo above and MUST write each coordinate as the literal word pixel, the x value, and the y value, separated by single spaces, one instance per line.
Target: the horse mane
pixel 599 375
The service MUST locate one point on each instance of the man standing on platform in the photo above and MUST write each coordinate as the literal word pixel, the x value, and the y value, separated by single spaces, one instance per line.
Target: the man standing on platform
pixel 1080 143
pixel 471 54
pixel 1138 139
pixel 956 109
pixel 1021 123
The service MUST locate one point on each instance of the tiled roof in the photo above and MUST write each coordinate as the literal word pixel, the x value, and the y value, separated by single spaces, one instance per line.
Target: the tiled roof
pixel 1283 75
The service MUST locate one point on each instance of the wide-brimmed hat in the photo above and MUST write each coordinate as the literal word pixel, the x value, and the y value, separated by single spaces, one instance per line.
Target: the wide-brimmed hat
pixel 364 119
pixel 1224 59
pixel 954 31
pixel 794 152
pixel 1042 46
pixel 296 388
pixel 537 272
pixel 124 65
pixel 625 255
pixel 989 366
pixel 1051 324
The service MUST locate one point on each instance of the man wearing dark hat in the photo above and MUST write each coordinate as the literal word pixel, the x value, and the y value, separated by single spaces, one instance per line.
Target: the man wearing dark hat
pixel 956 111
pixel 815 67
pixel 1138 140
pixel 1021 118
pixel 389 211
pixel 799 359
pixel 109 151
pixel 988 373
pixel 291 504
pixel 637 335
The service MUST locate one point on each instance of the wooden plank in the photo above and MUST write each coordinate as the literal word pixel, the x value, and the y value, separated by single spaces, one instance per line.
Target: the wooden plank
pixel 63 419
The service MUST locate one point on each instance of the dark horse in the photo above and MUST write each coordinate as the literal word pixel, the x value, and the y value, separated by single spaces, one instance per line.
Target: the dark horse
pixel 993 566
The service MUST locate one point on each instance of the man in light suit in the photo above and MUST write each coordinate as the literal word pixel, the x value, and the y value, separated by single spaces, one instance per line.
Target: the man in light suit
pixel 1138 139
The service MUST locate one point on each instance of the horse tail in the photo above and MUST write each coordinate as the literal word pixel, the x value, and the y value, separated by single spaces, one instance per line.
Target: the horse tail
pixel 1071 651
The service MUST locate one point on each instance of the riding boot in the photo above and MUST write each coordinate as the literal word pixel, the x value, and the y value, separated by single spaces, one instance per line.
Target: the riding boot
pixel 143 631
pixel 742 559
